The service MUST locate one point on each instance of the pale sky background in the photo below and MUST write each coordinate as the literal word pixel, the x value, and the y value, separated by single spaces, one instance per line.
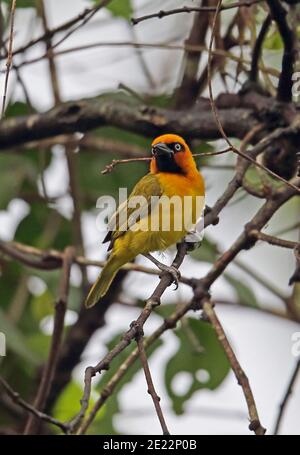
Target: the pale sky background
pixel 262 343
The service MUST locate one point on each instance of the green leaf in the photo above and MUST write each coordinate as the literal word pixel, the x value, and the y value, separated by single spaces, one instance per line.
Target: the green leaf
pixel 163 101
pixel 258 180
pixel 22 3
pixel 120 8
pixel 244 293
pixel 166 309
pixel 211 362
pixel 274 41
pixel 67 404
pixel 16 342
pixel 18 108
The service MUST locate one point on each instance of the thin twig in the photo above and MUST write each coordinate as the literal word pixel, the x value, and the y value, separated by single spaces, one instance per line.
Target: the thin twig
pixel 109 167
pixel 240 375
pixel 286 397
pixel 85 20
pixel 31 409
pixel 287 229
pixel 65 26
pixel 9 54
pixel 49 51
pixel 162 46
pixel 274 240
pixel 186 9
pixel 151 389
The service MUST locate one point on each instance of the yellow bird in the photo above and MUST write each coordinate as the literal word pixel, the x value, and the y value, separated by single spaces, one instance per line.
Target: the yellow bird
pixel 173 177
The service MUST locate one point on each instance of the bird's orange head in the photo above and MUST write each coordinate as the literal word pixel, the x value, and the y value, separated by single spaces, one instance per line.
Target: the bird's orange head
pixel 171 154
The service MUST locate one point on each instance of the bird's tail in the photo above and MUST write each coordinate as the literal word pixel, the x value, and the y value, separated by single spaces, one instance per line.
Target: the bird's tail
pixel 103 282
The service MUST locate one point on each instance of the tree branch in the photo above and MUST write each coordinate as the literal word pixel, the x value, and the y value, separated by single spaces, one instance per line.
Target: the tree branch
pixel 31 409
pixel 253 75
pixel 240 375
pixel 274 240
pixel 286 397
pixel 9 54
pixel 187 9
pixel 49 369
pixel 187 92
pixel 151 389
pixel 278 13
pixel 84 115
pixel 135 327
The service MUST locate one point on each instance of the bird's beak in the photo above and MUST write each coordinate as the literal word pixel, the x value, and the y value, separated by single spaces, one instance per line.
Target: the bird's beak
pixel 162 149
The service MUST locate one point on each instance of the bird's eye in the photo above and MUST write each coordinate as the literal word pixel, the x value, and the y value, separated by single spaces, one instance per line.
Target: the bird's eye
pixel 152 150
pixel 177 147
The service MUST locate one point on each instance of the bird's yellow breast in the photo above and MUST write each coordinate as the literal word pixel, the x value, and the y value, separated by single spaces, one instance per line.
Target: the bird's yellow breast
pixel 181 185
pixel 161 228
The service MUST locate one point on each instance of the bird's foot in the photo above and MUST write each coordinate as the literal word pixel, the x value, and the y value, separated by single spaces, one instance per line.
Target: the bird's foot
pixel 169 269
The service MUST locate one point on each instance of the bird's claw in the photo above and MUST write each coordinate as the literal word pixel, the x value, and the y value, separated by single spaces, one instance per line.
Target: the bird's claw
pixel 175 274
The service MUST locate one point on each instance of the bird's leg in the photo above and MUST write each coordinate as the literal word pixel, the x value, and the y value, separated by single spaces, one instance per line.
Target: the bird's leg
pixel 165 268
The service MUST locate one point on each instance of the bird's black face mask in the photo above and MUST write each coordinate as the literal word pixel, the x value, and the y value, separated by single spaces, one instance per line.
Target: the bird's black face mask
pixel 165 159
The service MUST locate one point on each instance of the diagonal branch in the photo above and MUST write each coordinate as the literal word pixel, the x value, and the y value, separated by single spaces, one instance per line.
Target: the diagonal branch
pixel 31 409
pixel 286 397
pixel 151 389
pixel 240 375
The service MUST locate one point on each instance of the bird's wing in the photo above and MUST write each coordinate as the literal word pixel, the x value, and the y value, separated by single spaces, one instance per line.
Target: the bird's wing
pixel 122 219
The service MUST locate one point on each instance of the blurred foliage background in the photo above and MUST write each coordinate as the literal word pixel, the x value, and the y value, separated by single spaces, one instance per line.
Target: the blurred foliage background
pixel 48 194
